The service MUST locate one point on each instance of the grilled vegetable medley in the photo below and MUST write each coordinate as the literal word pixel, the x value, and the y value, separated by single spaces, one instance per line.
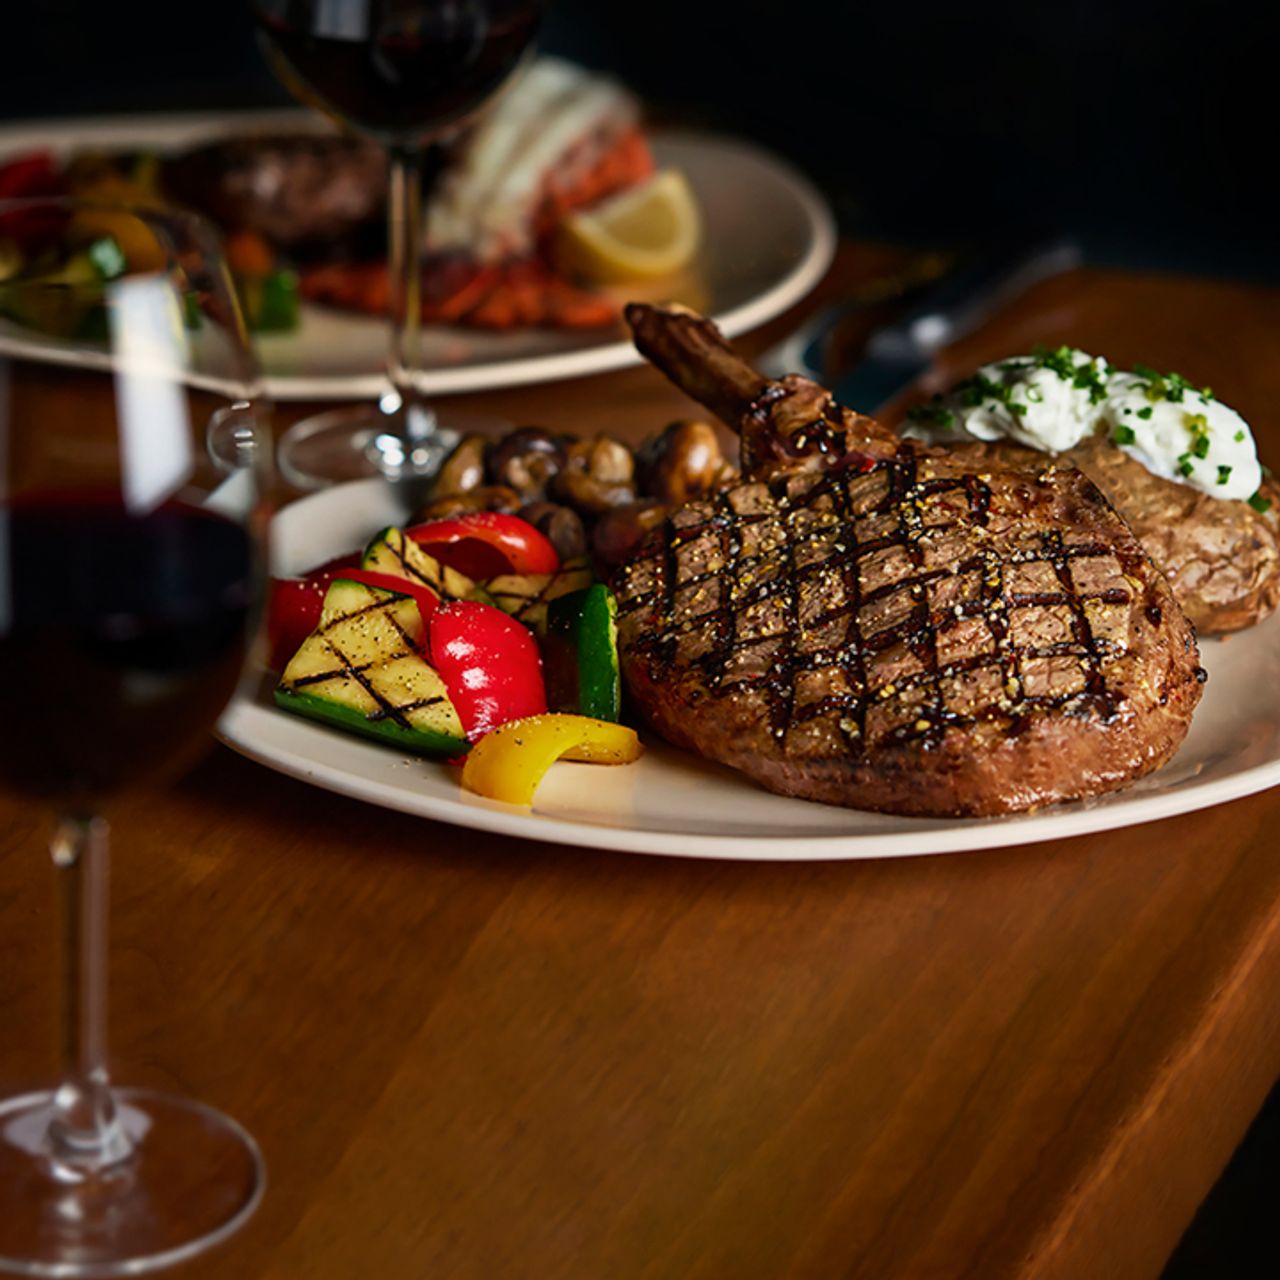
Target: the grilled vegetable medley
pixel 83 252
pixel 489 610
pixel 399 644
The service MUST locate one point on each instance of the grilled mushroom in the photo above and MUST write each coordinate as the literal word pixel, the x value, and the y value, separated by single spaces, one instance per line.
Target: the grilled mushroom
pixel 463 469
pixel 562 526
pixel 619 531
pixel 526 460
pixel 597 475
pixel 492 497
pixel 683 462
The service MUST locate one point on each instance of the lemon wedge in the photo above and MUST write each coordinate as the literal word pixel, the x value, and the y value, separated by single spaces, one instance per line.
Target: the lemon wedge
pixel 646 232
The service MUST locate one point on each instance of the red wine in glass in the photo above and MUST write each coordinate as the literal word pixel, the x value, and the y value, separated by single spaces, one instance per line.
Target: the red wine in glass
pixel 123 635
pixel 405 72
pixel 397 71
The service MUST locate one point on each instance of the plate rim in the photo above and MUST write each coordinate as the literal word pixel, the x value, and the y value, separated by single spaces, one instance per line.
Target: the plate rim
pixel 956 835
pixel 530 370
pixel 241 721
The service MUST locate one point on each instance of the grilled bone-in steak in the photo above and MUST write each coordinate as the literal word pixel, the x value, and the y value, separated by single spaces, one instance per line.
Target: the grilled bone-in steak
pixel 884 627
pixel 301 191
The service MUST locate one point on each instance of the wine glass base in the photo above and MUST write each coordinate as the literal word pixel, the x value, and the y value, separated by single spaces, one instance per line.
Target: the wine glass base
pixel 358 442
pixel 193 1178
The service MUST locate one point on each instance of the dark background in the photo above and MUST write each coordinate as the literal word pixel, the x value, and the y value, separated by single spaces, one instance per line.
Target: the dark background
pixel 1149 129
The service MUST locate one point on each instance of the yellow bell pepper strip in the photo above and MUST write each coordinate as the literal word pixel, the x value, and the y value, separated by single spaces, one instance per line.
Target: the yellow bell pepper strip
pixel 509 763
pixel 137 241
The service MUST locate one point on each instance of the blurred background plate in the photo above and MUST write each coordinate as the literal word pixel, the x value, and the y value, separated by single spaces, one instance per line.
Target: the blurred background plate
pixel 675 803
pixel 768 239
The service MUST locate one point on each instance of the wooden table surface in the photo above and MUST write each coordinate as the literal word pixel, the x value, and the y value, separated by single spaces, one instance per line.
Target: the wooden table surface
pixel 473 1057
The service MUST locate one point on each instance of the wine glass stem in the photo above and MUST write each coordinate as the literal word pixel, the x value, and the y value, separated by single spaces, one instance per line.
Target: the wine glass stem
pixel 404 230
pixel 85 1133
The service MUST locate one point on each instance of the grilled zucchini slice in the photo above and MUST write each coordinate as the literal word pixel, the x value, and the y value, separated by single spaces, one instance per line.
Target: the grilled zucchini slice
pixel 361 670
pixel 391 552
pixel 526 595
pixel 580 654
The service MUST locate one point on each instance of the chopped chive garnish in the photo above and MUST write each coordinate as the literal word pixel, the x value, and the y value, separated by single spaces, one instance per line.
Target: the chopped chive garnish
pixel 1259 503
pixel 934 414
pixel 1124 435
pixel 1145 413
pixel 1224 474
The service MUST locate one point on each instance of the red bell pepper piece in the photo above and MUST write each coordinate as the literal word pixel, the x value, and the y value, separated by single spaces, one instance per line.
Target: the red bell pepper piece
pixel 33 174
pixel 483 544
pixel 294 605
pixel 293 611
pixel 428 601
pixel 489 663
pixel 29 176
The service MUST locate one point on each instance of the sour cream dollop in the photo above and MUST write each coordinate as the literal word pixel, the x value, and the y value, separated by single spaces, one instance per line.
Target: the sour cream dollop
pixel 1052 400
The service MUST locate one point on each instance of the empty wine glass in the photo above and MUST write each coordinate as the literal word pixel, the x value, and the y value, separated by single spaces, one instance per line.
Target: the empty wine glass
pixel 133 456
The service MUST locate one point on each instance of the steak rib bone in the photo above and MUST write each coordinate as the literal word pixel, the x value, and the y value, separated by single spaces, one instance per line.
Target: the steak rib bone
pixel 791 424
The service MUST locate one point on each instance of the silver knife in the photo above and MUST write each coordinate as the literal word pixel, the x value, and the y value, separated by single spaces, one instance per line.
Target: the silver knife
pixel 896 355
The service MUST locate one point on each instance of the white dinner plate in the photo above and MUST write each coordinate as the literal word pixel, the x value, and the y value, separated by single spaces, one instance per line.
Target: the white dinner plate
pixel 768 239
pixel 672 802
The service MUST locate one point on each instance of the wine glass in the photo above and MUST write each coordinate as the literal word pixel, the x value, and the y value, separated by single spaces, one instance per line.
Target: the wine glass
pixel 405 72
pixel 133 456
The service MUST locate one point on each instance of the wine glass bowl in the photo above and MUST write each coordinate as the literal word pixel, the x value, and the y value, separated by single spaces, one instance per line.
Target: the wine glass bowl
pixel 398 72
pixel 134 477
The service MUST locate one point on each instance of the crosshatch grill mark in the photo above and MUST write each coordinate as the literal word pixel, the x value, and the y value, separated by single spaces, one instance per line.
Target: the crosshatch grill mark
pixel 814 508
pixel 387 710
